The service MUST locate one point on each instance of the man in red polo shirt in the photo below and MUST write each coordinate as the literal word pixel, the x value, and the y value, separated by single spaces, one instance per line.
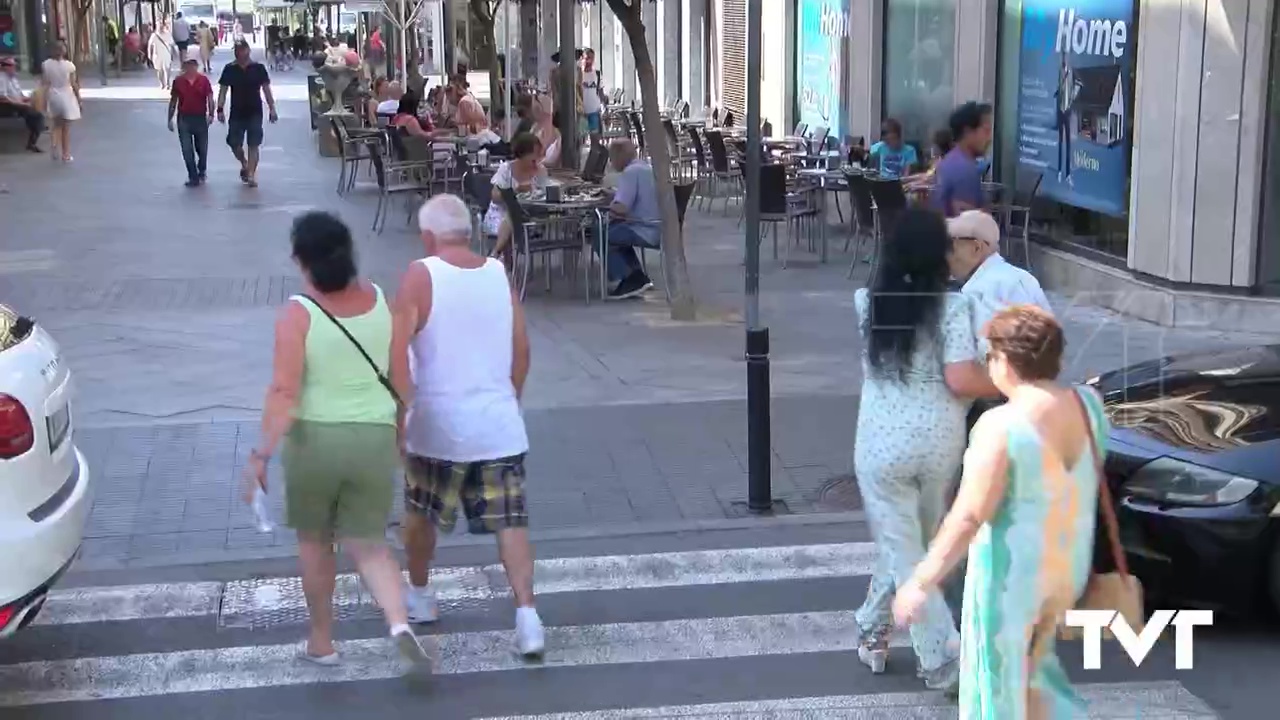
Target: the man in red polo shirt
pixel 192 101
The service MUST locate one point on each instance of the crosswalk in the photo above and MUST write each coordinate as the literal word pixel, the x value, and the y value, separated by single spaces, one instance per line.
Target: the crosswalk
pixel 747 632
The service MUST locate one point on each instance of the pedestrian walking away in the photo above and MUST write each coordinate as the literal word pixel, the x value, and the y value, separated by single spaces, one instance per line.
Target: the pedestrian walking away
pixel 920 370
pixel 191 100
pixel 331 408
pixel 464 435
pixel 1026 516
pixel 181 35
pixel 248 83
pixel 61 87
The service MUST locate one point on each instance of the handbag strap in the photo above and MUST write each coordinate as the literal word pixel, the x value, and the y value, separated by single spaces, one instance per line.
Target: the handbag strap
pixel 1104 492
pixel 382 377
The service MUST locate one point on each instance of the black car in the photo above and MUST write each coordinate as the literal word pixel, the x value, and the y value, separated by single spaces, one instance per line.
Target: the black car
pixel 1194 464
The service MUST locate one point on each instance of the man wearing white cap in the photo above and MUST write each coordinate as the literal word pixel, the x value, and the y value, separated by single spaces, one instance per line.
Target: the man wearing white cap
pixel 994 284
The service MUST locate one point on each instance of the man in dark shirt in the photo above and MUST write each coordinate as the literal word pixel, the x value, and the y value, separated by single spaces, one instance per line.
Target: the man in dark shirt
pixel 249 83
pixel 191 99
pixel 957 179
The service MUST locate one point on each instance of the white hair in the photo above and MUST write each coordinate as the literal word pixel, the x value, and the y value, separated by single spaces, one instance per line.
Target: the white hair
pixel 447 217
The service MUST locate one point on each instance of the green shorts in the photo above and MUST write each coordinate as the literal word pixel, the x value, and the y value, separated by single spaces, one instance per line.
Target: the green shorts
pixel 340 478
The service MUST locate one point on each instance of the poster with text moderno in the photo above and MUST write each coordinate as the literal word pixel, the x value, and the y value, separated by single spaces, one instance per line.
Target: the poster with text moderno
pixel 1075 99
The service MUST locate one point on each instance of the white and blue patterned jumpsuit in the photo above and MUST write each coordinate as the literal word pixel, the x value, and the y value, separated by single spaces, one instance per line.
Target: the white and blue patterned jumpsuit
pixel 907 455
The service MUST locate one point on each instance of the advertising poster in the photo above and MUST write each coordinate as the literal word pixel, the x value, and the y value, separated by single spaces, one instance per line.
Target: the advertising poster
pixel 820 54
pixel 1075 100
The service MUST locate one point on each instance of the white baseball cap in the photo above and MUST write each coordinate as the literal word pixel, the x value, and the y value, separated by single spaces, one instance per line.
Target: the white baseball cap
pixel 977 225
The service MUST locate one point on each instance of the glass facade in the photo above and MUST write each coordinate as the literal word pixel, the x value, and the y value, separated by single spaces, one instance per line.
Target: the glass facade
pixel 919 65
pixel 1269 234
pixel 1090 233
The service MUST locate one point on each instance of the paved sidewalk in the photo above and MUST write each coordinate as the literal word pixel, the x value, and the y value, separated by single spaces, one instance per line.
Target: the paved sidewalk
pixel 163 298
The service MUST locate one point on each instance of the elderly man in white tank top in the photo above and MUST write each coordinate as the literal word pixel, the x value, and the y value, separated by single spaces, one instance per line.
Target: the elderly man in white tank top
pixel 460 352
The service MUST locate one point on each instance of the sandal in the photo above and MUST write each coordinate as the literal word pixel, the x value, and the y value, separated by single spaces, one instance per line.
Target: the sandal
pixel 873 648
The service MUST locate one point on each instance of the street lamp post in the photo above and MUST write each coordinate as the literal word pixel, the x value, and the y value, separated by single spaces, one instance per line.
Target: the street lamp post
pixel 759 443
pixel 567 93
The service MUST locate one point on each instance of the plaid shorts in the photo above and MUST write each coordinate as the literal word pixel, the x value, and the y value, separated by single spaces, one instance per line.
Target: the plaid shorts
pixel 491 492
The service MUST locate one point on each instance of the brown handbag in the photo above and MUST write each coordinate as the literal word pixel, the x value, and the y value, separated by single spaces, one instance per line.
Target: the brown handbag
pixel 1118 591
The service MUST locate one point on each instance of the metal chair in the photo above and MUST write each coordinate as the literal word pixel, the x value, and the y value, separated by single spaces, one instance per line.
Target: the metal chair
pixel 531 238
pixel 864 219
pixel 398 173
pixel 1015 213
pixel 637 130
pixel 722 173
pixel 352 150
pixel 478 192
pixel 780 204
pixel 890 200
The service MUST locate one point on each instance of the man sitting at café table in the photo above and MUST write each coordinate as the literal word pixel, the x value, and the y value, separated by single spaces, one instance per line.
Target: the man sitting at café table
pixel 14 102
pixel 636 221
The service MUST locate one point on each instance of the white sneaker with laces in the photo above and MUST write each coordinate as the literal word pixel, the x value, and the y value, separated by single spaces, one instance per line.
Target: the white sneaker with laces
pixel 531 641
pixel 422 605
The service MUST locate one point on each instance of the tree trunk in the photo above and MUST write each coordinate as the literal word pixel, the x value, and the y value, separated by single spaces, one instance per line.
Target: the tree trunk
pixel 679 289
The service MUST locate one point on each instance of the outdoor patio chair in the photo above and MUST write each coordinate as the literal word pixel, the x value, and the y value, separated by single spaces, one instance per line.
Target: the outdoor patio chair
pixel 477 188
pixel 1014 213
pixel 864 220
pixel 637 130
pixel 352 151
pixel 597 163
pixel 891 200
pixel 531 238
pixel 702 169
pixel 782 204
pixel 399 173
pixel 723 177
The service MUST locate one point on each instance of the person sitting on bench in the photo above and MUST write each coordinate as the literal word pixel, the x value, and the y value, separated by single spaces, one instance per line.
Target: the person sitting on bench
pixel 15 103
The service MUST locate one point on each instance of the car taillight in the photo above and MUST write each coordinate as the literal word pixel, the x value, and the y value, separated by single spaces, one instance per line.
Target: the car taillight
pixel 6 614
pixel 16 433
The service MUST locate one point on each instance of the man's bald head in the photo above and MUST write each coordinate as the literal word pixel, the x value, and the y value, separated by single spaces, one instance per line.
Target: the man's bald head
pixel 621 153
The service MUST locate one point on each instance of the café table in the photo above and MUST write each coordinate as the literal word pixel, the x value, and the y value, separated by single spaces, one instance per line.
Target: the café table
pixel 595 208
pixel 822 177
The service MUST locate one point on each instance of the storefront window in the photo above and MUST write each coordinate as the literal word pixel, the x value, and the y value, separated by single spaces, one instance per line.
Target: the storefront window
pixel 919 65
pixel 1079 147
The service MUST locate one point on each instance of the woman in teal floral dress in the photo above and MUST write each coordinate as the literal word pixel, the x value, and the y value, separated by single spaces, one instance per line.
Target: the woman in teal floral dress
pixel 1025 512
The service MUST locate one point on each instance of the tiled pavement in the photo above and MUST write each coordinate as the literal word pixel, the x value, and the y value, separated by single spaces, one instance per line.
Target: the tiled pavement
pixel 167 491
pixel 162 299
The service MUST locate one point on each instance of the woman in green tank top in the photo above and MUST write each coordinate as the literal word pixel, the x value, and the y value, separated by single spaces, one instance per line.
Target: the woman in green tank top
pixel 328 405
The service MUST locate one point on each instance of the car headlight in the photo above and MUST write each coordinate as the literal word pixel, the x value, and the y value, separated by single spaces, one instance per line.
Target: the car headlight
pixel 1181 483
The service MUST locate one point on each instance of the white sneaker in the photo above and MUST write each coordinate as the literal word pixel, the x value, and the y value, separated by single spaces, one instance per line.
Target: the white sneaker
pixel 422 605
pixel 411 649
pixel 530 639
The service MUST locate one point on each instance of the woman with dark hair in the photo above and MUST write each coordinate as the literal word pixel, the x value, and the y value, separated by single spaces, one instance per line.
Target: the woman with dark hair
pixel 1025 514
pixel 408 119
pixel 919 368
pixel 337 415
pixel 524 172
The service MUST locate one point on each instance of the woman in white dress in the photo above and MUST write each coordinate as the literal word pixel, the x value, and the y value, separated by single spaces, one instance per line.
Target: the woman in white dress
pixel 62 93
pixel 160 50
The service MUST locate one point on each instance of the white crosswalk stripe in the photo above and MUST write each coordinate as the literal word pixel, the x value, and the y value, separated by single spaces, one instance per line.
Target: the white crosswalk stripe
pixel 99 675
pixel 561 575
pixel 1113 701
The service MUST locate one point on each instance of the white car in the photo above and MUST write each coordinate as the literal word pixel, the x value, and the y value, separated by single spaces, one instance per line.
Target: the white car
pixel 44 480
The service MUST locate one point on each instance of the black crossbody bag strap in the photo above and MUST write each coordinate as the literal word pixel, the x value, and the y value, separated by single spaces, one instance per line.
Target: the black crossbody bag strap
pixel 382 377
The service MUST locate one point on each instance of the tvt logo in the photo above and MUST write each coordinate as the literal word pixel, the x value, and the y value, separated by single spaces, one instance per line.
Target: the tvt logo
pixel 1139 645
